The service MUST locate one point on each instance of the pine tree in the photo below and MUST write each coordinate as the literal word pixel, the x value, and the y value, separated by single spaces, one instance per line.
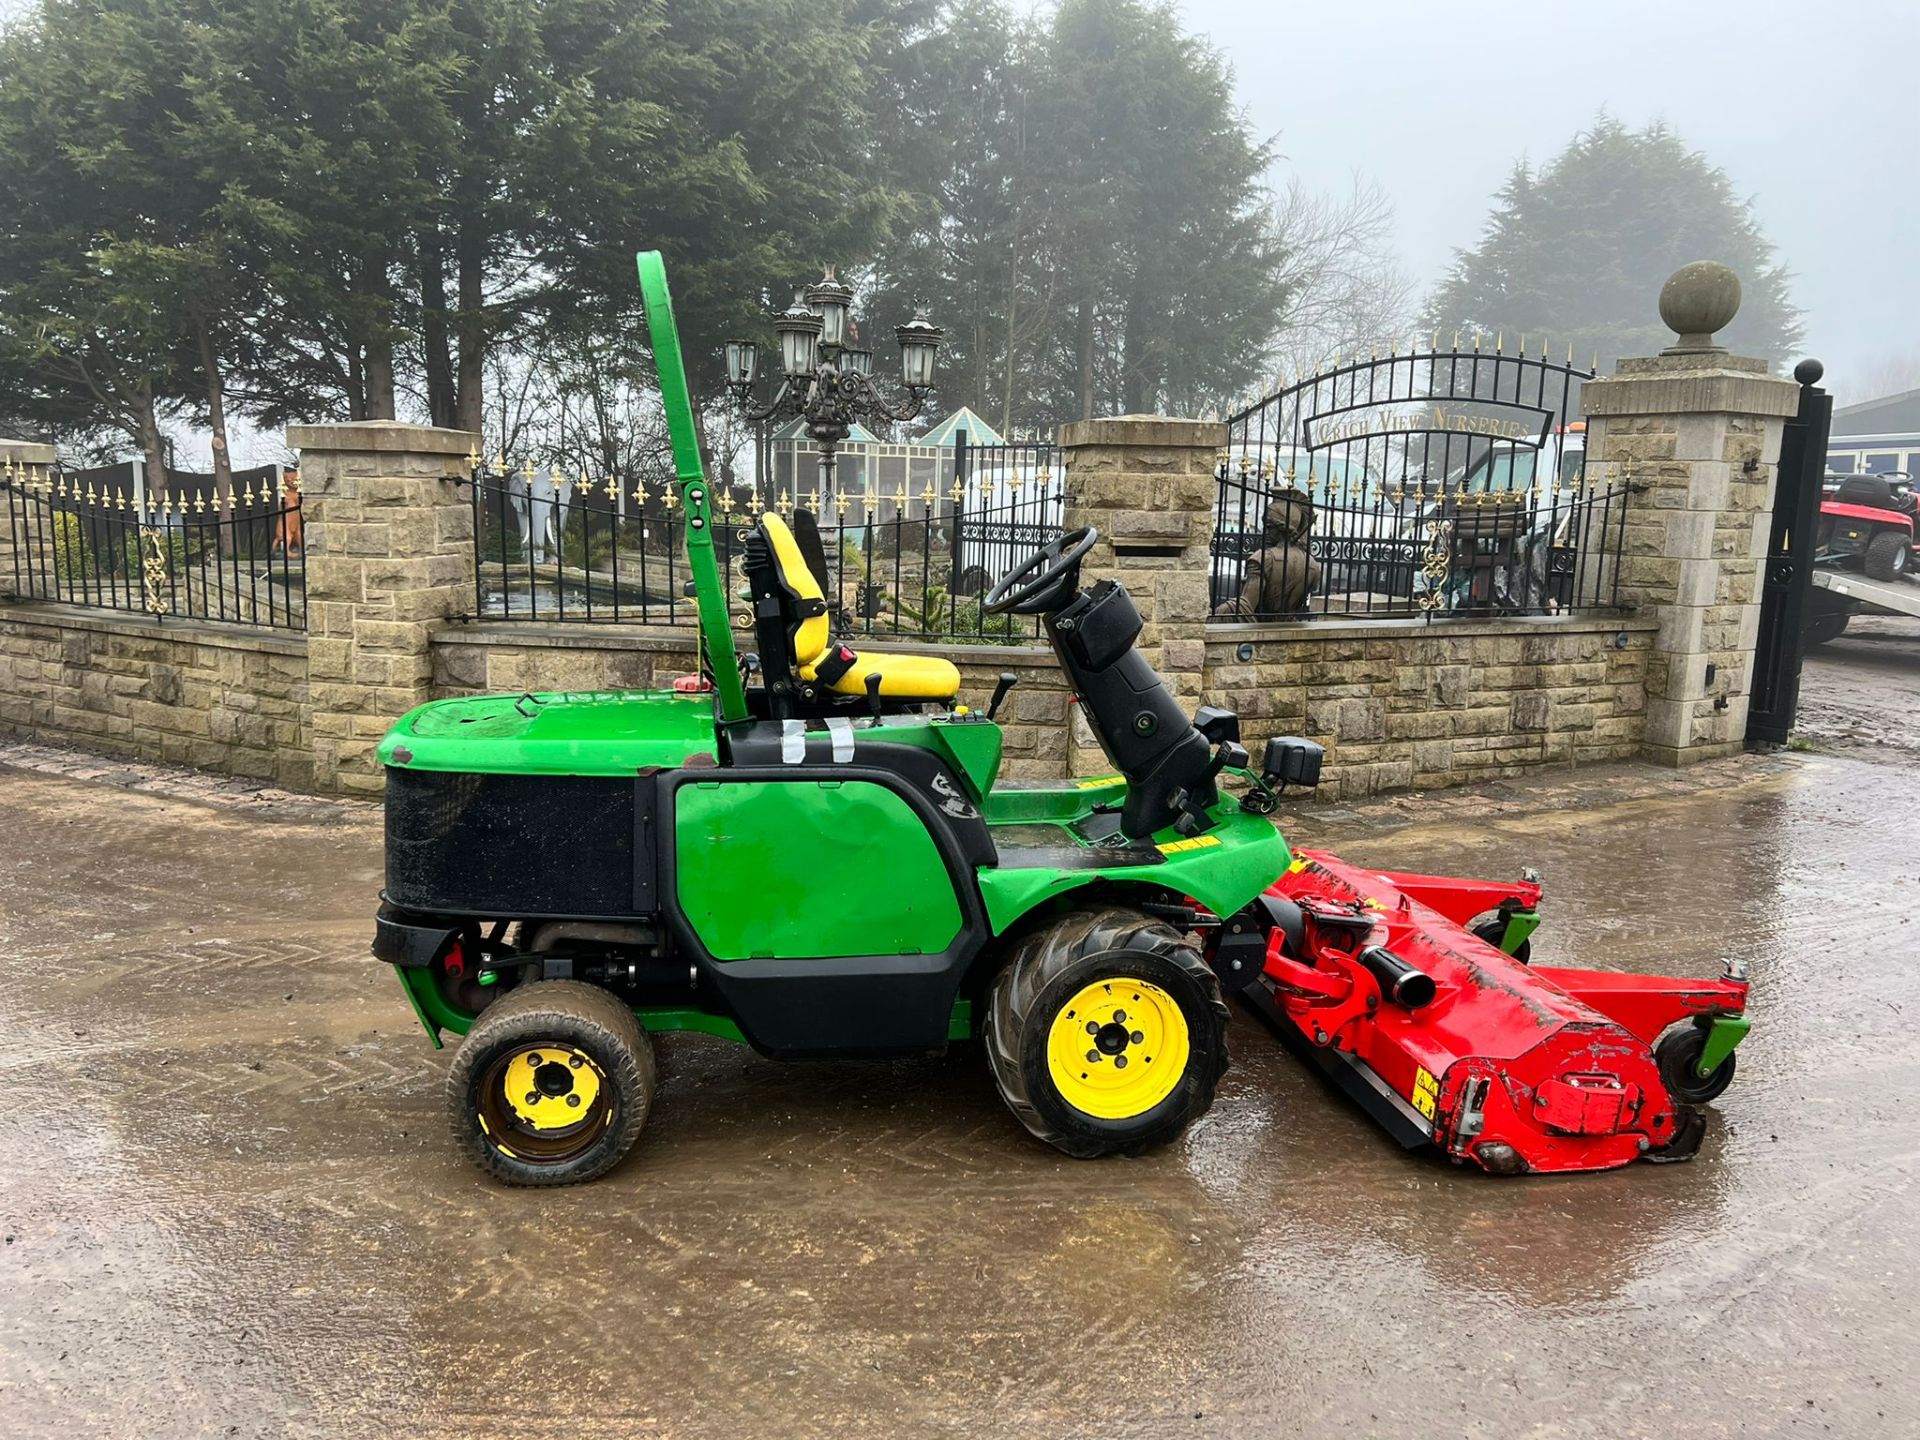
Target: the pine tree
pixel 1578 250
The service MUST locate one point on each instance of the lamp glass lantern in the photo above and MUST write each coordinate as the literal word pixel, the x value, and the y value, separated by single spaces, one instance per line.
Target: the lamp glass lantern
pixel 743 363
pixel 919 340
pixel 830 300
pixel 799 331
pixel 860 362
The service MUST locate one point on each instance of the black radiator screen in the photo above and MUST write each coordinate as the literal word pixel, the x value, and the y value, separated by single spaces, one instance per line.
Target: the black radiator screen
pixel 511 844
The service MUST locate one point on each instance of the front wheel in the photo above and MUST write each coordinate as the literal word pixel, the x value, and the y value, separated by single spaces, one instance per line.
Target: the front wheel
pixel 1678 1053
pixel 551 1085
pixel 1888 554
pixel 1106 1033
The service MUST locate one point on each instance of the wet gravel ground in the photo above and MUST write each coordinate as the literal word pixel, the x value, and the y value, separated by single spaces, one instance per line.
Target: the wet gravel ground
pixel 230 1207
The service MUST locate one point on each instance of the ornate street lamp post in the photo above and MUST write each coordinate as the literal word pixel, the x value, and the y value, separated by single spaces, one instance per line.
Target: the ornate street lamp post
pixel 824 382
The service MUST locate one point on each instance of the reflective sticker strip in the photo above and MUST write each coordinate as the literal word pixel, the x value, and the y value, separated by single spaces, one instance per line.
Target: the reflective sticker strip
pixel 1099 781
pixel 1426 1092
pixel 793 742
pixel 840 728
pixel 1198 842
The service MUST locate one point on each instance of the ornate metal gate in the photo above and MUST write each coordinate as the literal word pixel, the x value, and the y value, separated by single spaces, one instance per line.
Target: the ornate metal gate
pixel 1426 483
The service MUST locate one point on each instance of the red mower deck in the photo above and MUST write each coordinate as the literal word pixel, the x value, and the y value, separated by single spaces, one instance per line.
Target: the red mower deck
pixel 1449 1041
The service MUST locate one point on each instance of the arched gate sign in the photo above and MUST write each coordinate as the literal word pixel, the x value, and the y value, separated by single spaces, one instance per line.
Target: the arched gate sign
pixel 1426 483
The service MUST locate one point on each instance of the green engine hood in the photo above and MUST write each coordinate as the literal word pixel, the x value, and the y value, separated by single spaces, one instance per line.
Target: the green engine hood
pixel 596 732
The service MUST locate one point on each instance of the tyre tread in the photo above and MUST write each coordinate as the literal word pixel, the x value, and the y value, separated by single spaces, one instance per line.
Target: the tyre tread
pixel 601 1018
pixel 1043 953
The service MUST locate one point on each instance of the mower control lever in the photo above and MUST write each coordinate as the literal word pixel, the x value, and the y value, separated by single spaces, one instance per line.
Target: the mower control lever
pixel 873 695
pixel 1007 681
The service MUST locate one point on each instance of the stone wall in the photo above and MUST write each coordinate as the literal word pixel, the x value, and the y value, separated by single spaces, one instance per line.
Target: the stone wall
pixel 1420 706
pixel 389 560
pixel 1701 433
pixel 219 697
pixel 1398 704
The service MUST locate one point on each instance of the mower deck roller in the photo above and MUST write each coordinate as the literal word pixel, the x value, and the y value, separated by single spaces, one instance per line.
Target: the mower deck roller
pixel 813 851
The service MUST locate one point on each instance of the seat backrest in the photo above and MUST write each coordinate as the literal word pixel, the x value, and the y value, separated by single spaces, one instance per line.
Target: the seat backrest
pixel 810 636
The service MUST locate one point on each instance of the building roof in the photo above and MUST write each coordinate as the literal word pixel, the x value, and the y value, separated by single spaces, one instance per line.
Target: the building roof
pixel 1889 415
pixel 940 437
pixel 978 431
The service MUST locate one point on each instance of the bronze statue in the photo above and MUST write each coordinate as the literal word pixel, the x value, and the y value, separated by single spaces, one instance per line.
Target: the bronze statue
pixel 1282 573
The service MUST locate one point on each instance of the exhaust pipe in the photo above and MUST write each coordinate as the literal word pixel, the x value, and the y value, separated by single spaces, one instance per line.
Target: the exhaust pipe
pixel 1399 982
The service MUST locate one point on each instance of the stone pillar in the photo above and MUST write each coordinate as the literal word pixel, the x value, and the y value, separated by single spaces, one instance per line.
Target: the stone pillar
pixel 1701 429
pixel 1147 482
pixel 389 557
pixel 19 460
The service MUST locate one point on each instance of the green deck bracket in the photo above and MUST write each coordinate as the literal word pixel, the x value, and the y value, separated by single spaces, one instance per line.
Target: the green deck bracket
pixel 1520 927
pixel 1723 1033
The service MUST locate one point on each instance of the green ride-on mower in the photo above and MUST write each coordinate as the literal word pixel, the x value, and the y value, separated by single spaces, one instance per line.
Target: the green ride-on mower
pixel 826 861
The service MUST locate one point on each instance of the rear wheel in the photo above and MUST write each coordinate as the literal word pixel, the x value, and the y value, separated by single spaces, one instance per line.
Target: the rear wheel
pixel 551 1085
pixel 1827 626
pixel 1888 554
pixel 1106 1033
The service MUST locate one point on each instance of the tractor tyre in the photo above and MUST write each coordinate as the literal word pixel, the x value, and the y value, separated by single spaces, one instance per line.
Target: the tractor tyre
pixel 1106 1032
pixel 1888 555
pixel 551 1085
pixel 1678 1055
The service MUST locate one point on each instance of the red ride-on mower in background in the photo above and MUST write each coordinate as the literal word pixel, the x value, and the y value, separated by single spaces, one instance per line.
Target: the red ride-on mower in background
pixel 1869 521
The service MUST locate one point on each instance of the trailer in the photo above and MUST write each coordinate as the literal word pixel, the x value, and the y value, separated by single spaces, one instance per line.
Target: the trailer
pixel 1901 597
pixel 1839 593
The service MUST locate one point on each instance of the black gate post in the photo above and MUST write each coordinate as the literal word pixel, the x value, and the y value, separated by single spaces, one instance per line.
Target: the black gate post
pixel 1787 581
pixel 959 494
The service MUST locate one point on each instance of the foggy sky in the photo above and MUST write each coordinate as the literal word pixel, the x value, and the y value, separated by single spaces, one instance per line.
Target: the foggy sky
pixel 1813 110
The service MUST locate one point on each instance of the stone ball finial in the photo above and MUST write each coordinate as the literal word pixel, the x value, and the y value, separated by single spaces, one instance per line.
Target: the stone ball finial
pixel 1697 300
pixel 1809 371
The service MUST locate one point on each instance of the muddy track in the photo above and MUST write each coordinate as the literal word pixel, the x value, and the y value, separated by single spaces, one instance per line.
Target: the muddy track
pixel 229 1204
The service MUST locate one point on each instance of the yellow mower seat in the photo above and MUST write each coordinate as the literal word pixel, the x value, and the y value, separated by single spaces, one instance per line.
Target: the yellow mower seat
pixel 902 677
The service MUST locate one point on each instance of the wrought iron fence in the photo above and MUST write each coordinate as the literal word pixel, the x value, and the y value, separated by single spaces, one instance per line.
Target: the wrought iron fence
pixel 1426 484
pixel 899 562
pixel 179 555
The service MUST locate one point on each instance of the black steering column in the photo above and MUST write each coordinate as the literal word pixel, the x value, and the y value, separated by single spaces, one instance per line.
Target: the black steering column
pixel 1169 764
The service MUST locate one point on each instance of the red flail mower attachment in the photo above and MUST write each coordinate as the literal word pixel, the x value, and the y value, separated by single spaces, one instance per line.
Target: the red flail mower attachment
pixel 1448 1040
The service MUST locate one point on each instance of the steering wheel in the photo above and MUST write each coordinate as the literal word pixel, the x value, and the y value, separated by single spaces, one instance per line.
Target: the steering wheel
pixel 1056 560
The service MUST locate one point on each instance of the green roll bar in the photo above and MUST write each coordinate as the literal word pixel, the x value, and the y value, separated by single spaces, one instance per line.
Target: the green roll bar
pixel 709 593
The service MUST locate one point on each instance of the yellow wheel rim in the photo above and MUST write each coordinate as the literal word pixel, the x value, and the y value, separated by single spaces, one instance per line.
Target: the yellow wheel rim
pixel 1117 1048
pixel 549 1088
